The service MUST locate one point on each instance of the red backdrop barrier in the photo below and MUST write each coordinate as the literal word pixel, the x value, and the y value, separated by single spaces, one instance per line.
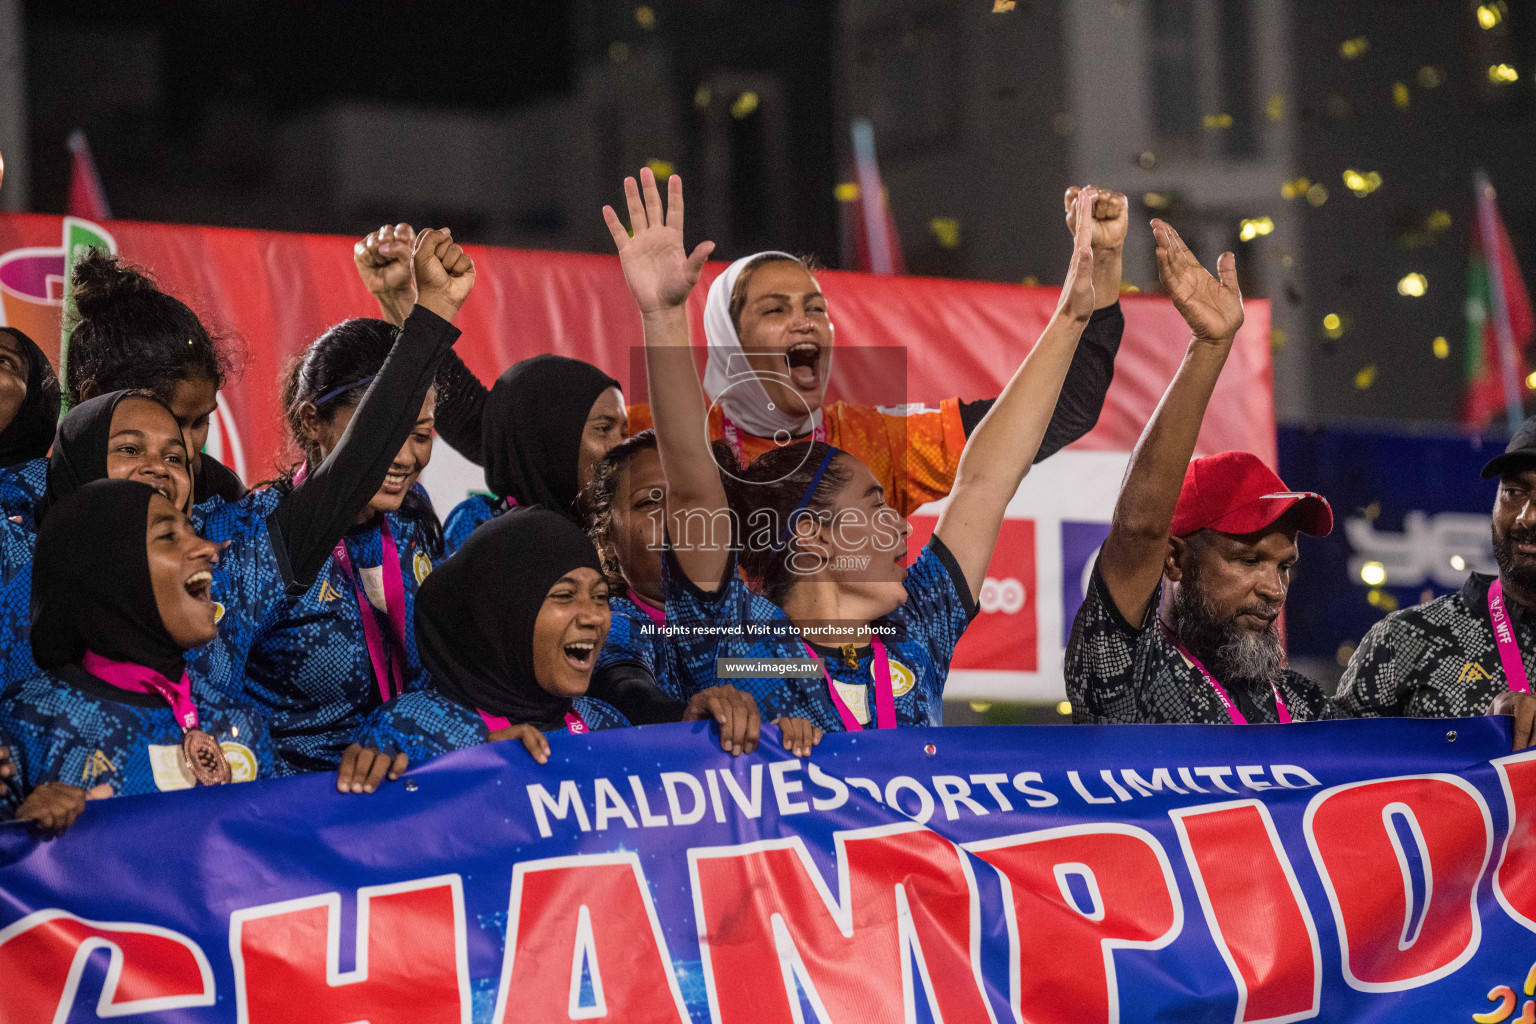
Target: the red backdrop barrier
pixel 276 292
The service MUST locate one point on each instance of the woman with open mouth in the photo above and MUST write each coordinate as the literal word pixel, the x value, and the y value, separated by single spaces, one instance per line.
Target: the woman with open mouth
pixel 510 627
pixel 113 711
pixel 817 535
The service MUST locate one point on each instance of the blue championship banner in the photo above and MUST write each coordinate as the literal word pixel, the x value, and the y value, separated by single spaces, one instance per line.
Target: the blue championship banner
pixel 1350 871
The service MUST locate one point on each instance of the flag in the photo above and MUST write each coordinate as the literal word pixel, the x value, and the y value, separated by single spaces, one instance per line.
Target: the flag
pixel 86 196
pixel 868 222
pixel 1500 321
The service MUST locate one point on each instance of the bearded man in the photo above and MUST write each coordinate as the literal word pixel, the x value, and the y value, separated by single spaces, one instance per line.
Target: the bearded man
pixel 1472 652
pixel 1180 620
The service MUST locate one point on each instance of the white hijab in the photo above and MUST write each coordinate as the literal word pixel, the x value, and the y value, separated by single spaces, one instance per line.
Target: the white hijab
pixel 747 404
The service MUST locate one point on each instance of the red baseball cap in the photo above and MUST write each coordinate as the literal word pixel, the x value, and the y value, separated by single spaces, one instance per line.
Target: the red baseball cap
pixel 1234 492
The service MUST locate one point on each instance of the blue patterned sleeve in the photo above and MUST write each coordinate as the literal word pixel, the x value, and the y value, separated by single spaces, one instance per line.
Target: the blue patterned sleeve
pixel 16 661
pixel 597 714
pixel 465 517
pixel 421 725
pixel 10 799
pixel 695 619
pixel 21 488
pixel 247 584
pixel 939 604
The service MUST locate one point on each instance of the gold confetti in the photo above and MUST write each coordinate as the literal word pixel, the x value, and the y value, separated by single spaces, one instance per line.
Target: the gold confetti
pixel 1063 707
pixel 702 96
pixel 1438 220
pixel 1371 512
pixel 1362 184
pixel 1146 159
pixel 1157 201
pixel 1003 6
pixel 1502 74
pixel 1458 563
pixel 946 230
pixel 1317 195
pixel 1383 600
pixel 1431 76
pixel 1373 574
pixel 1295 187
pixel 1252 227
pixel 1218 121
pixel 1400 97
pixel 1031 281
pixel 1333 326
pixel 981 707
pixel 1126 288
pixel 1277 339
pixel 1350 49
pixel 744 105
pixel 847 192
pixel 1365 377
pixel 1530 382
pixel 661 168
pixel 618 51
pixel 645 17
pixel 1442 347
pixel 1286 260
pixel 1489 15
pixel 1344 653
pixel 1413 285
pixel 1275 108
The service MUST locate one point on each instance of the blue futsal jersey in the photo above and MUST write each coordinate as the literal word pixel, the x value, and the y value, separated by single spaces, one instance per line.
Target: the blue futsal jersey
pixel 68 726
pixel 424 724
pixel 15 604
pixel 924 632
pixel 307 666
pixel 635 639
pixel 21 488
pixel 468 514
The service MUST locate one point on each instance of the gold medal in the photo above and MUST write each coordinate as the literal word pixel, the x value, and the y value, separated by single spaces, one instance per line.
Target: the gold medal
pixel 205 758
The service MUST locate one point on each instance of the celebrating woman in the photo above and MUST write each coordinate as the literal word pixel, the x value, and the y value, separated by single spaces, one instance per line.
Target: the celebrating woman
pixel 817 535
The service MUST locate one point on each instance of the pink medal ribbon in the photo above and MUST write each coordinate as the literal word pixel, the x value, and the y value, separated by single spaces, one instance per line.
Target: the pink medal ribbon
pixel 657 615
pixel 125 675
pixel 733 435
pixel 387 671
pixel 1504 639
pixel 1281 711
pixel 573 721
pixel 885 696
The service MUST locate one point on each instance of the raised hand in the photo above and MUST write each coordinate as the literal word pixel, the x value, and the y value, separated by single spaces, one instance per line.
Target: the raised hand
pixel 1111 217
pixel 659 271
pixel 1213 308
pixel 383 260
pixel 1077 295
pixel 444 272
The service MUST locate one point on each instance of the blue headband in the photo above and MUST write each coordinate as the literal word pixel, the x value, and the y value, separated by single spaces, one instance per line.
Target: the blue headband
pixel 344 389
pixel 805 499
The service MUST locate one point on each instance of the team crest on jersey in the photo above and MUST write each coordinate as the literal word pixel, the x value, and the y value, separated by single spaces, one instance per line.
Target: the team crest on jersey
pixel 421 565
pixel 169 765
pixel 902 678
pixel 242 761
pixel 1472 672
pixel 328 592
pixel 99 764
pixel 856 696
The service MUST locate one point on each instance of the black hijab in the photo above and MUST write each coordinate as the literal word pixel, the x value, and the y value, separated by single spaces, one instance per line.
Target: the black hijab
pixel 531 429
pixel 90 578
pixel 28 436
pixel 80 446
pixel 475 613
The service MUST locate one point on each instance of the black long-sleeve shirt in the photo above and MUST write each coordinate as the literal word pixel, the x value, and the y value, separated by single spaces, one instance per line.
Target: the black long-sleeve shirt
pixel 313 516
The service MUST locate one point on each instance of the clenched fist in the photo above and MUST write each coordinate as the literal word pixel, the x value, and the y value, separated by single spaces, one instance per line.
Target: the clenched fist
pixel 444 273
pixel 1111 217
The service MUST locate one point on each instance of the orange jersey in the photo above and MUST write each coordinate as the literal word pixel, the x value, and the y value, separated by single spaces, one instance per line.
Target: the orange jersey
pixel 912 450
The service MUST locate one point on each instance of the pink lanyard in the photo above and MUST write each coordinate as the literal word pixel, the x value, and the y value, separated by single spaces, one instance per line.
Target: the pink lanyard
pixel 573 722
pixel 125 675
pixel 733 436
pixel 1504 639
pixel 388 671
pixel 885 696
pixel 657 615
pixel 1281 711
